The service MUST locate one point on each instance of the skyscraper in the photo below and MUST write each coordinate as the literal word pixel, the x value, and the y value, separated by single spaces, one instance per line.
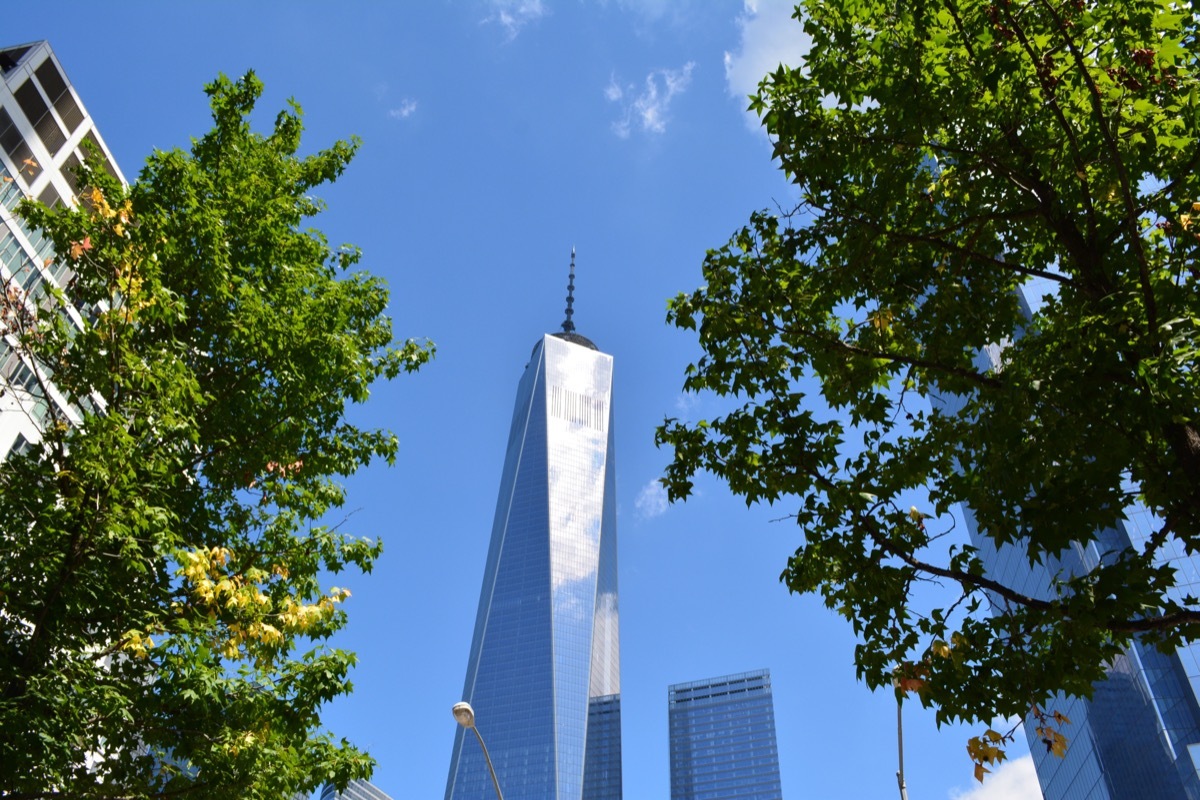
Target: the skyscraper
pixel 723 739
pixel 1139 734
pixel 544 669
pixel 356 790
pixel 43 131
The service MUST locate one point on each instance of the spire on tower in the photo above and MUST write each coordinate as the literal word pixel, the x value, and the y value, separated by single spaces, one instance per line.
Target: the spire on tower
pixel 568 326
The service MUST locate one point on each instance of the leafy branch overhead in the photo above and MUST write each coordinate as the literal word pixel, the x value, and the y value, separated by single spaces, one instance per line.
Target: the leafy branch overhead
pixel 988 291
pixel 163 546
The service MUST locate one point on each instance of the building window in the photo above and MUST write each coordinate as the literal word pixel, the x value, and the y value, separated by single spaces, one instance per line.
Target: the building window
pixel 10 58
pixel 49 196
pixel 60 95
pixel 17 148
pixel 31 102
pixel 90 138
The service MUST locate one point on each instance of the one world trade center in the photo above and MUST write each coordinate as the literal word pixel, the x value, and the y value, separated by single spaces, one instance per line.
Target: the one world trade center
pixel 544 670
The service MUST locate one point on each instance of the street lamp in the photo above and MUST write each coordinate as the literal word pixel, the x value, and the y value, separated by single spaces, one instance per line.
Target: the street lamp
pixel 900 743
pixel 466 717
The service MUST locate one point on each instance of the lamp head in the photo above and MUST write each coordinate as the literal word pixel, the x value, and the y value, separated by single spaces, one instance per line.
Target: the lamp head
pixel 464 714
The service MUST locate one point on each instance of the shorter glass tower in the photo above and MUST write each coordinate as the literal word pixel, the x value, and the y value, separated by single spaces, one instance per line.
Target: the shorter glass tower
pixel 723 739
pixel 1139 734
pixel 356 790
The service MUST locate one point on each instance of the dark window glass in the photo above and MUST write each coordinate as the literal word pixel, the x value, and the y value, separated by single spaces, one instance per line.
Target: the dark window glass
pixel 50 79
pixel 18 150
pixel 31 102
pixel 49 196
pixel 10 58
pixel 60 95
pixel 70 171
pixel 90 136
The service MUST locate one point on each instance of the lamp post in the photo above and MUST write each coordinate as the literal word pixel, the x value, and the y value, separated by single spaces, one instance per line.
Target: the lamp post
pixel 900 743
pixel 466 717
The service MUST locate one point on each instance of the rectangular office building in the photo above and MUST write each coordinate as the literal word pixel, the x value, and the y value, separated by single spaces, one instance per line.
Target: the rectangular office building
pixel 723 739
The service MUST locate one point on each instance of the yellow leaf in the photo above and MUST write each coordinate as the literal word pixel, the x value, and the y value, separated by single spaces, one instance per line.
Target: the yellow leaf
pixel 980 771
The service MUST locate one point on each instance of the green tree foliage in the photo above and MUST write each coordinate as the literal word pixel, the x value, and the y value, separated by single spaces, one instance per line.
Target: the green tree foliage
pixel 161 548
pixel 946 154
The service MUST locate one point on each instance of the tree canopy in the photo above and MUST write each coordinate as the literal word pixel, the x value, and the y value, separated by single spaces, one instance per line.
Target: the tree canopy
pixel 952 158
pixel 164 548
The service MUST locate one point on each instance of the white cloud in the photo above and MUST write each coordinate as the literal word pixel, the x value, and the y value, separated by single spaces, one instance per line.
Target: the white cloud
pixel 649 109
pixel 651 500
pixel 685 404
pixel 513 15
pixel 650 10
pixel 404 110
pixel 768 37
pixel 1012 780
pixel 613 92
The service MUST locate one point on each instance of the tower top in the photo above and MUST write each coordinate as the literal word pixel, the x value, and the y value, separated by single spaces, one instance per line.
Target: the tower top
pixel 568 325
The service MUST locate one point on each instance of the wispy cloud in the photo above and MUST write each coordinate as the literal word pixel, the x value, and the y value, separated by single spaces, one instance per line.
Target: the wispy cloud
pixel 1013 780
pixel 651 500
pixel 404 110
pixel 768 37
pixel 648 109
pixel 685 404
pixel 613 92
pixel 654 10
pixel 513 15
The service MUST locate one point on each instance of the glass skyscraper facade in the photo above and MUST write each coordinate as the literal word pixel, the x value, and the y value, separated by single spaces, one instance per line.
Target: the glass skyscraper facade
pixel 723 739
pixel 544 670
pixel 1139 735
pixel 355 790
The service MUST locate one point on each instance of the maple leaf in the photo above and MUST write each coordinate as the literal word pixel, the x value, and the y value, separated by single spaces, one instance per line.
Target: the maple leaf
pixel 78 248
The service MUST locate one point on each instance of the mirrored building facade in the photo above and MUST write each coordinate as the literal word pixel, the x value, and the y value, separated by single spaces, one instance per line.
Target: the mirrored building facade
pixel 723 739
pixel 544 668
pixel 355 790
pixel 1139 734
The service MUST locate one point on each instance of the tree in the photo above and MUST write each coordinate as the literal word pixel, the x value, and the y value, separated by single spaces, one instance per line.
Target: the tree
pixel 948 154
pixel 162 546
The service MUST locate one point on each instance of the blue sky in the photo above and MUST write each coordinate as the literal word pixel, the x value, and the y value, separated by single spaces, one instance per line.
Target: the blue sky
pixel 497 134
